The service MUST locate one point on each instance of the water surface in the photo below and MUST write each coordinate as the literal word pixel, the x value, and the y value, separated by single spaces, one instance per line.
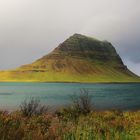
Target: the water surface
pixel 104 96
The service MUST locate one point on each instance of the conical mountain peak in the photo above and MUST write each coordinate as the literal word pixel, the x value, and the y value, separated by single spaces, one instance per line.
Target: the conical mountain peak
pixel 82 46
pixel 79 42
pixel 78 59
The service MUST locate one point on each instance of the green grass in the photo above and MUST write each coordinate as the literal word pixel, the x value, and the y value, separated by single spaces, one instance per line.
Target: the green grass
pixel 109 75
pixel 75 71
pixel 60 77
pixel 105 125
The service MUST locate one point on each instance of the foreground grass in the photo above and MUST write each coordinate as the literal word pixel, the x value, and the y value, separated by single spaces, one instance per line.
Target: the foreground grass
pixel 105 125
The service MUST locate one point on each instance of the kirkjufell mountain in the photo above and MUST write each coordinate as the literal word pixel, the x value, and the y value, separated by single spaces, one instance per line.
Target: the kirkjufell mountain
pixel 78 59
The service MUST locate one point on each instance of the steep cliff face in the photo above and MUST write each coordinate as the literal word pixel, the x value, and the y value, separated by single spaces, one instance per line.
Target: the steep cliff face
pixel 79 54
pixel 78 59
pixel 83 47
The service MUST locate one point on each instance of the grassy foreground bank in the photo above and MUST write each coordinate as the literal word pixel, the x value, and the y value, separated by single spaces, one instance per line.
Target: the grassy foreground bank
pixel 105 125
pixel 77 121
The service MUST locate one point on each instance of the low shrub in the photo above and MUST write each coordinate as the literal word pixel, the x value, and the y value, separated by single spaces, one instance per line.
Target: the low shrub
pixel 81 105
pixel 32 107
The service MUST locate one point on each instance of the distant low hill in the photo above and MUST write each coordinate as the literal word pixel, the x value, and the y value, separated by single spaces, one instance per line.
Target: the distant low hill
pixel 78 59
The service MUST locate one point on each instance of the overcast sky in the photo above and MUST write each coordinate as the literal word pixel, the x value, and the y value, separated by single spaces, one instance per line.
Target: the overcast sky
pixel 30 29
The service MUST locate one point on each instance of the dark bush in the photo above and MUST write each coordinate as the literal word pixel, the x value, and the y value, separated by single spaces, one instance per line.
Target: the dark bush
pixel 81 105
pixel 82 102
pixel 32 107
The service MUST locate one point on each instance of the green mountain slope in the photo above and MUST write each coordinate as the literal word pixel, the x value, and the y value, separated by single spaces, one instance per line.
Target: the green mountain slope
pixel 78 59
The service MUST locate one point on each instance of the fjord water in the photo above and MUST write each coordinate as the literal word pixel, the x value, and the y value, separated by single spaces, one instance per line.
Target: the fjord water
pixel 104 96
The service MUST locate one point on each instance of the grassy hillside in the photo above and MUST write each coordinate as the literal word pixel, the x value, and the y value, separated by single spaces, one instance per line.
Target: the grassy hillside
pixel 78 59
pixel 108 76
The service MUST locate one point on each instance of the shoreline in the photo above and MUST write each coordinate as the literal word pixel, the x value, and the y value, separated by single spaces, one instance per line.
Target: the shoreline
pixel 70 82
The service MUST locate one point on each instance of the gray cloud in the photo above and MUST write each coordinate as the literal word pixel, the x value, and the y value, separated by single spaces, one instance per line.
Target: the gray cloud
pixel 30 29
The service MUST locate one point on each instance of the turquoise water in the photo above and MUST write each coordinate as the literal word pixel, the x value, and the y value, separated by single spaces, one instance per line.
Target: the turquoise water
pixel 104 96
